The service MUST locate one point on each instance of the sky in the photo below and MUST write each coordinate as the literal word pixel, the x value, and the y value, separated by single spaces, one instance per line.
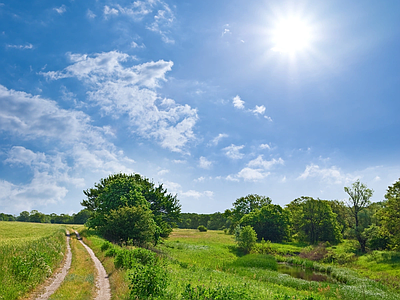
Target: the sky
pixel 214 99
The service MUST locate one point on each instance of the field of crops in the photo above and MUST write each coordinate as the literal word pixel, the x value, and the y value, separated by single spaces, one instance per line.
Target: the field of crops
pixel 29 252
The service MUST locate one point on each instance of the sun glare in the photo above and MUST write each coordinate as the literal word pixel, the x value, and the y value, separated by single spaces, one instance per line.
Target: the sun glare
pixel 291 35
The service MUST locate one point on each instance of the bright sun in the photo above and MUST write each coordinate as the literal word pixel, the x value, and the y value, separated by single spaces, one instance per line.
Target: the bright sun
pixel 291 35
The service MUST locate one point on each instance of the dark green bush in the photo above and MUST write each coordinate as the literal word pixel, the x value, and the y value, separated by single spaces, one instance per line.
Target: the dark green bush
pixel 106 245
pixel 147 281
pixel 128 258
pixel 202 228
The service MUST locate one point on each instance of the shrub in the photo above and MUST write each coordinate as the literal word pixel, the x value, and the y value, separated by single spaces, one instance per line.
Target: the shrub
pixel 202 228
pixel 147 281
pixel 247 238
pixel 128 258
pixel 106 245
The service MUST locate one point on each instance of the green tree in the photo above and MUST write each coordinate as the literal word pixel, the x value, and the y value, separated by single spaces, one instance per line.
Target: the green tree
pixel 359 199
pixel 37 217
pixel 23 216
pixel 270 222
pixel 319 222
pixel 132 190
pixel 245 205
pixel 246 238
pixel 130 223
pixel 391 213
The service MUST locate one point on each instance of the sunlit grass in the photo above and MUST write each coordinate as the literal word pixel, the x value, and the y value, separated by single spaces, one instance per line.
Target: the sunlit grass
pixel 29 253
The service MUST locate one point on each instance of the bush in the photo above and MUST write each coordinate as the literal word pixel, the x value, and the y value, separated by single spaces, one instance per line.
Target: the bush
pixel 247 238
pixel 147 281
pixel 202 228
pixel 128 258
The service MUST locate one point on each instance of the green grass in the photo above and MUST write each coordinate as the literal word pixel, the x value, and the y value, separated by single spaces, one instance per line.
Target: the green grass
pixel 207 265
pixel 30 252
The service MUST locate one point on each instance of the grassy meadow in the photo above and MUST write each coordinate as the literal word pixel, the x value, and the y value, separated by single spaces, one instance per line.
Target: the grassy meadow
pixel 29 253
pixel 200 264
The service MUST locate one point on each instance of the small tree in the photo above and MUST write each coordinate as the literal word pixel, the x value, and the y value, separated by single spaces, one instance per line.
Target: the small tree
pixel 358 201
pixel 246 238
pixel 391 214
pixel 202 228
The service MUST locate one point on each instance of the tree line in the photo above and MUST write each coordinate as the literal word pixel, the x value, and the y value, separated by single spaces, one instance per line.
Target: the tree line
pixel 38 217
pixel 132 209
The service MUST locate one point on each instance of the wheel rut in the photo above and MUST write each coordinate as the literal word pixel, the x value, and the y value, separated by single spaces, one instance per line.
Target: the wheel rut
pixel 102 282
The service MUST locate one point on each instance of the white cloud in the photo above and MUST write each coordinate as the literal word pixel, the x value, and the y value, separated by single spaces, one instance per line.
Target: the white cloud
pixel 266 164
pixel 233 151
pixel 81 148
pixel 162 172
pixel 62 9
pixel 237 102
pixel 176 188
pixel 120 90
pixel 22 47
pixel 204 163
pixel 162 16
pixel 268 118
pixel 136 45
pixel 259 110
pixel 216 140
pixel 109 11
pixel 226 31
pixel 249 174
pixel 256 169
pixel 266 146
pixel 330 175
pixel 90 14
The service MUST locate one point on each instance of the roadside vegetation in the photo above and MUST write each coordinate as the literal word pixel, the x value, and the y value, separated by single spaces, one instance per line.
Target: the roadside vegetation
pixel 79 284
pixel 29 253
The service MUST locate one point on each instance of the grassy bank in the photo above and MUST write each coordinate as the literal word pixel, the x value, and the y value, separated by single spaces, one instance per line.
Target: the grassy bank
pixel 30 252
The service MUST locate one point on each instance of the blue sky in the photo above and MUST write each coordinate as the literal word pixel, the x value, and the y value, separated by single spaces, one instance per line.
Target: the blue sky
pixel 214 99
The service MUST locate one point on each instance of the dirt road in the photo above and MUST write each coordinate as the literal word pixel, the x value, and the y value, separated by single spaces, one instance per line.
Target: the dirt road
pixel 102 282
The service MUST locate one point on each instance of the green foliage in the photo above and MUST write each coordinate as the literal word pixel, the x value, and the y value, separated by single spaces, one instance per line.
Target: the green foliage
pixel 246 239
pixel 120 190
pixel 129 223
pixel 147 281
pixel 202 228
pixel 26 261
pixel 391 214
pixel 359 195
pixel 270 222
pixel 220 292
pixel 127 258
pixel 245 205
pixel 377 237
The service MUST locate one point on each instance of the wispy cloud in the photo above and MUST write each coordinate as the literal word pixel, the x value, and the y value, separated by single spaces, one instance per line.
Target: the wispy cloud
pixel 90 14
pixel 330 175
pixel 162 17
pixel 217 139
pixel 233 151
pixel 204 163
pixel 62 9
pixel 259 110
pixel 120 90
pixel 22 47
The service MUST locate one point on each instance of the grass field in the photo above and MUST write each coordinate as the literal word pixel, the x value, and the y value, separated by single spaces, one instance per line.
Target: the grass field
pixel 29 253
pixel 208 262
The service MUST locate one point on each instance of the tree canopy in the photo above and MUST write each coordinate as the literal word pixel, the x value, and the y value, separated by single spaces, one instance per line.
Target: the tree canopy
pixel 134 191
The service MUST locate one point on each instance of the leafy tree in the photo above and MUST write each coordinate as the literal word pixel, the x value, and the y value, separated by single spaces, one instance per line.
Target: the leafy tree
pixel 319 222
pixel 132 190
pixel 130 223
pixel 359 199
pixel 391 213
pixel 245 205
pixel 246 238
pixel 37 217
pixel 82 216
pixel 23 216
pixel 270 222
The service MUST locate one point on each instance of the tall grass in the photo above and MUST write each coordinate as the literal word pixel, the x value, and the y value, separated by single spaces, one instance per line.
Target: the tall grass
pixel 29 253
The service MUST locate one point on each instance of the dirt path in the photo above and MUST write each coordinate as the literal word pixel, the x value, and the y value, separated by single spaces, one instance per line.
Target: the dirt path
pixel 59 277
pixel 102 282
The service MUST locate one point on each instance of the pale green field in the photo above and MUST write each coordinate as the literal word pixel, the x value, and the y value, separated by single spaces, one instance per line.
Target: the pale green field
pixel 29 253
